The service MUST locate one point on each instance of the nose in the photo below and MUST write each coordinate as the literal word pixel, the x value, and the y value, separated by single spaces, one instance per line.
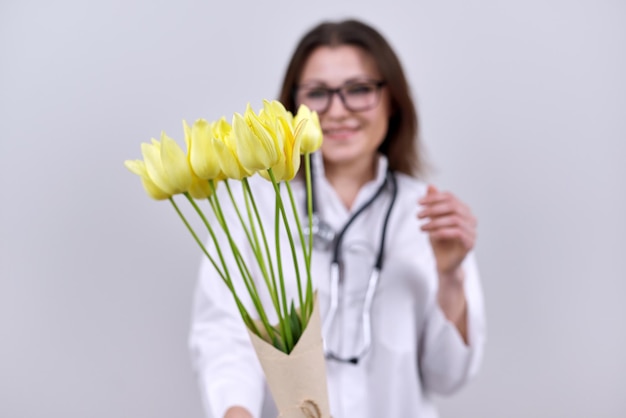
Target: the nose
pixel 336 107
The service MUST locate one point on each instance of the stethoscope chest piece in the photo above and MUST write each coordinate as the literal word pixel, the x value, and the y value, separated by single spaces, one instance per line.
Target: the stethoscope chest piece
pixel 323 233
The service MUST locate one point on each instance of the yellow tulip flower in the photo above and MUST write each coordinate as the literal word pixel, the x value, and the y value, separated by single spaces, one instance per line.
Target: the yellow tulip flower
pixel 293 139
pixel 227 156
pixel 167 165
pixel 175 164
pixel 290 139
pixel 269 116
pixel 272 110
pixel 154 167
pixel 275 113
pixel 312 135
pixel 221 128
pixel 254 143
pixel 202 156
pixel 139 167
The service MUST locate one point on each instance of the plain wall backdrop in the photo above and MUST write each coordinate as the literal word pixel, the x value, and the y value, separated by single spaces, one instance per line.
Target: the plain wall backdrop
pixel 523 113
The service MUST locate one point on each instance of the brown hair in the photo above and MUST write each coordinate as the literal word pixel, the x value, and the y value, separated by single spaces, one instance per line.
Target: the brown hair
pixel 401 143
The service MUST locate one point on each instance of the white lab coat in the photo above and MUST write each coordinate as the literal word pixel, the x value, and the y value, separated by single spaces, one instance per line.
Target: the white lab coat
pixel 415 351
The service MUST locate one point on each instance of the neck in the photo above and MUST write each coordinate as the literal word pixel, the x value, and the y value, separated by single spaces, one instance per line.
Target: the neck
pixel 347 179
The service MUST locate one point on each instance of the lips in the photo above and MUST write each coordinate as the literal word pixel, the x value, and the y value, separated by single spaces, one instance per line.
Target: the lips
pixel 342 132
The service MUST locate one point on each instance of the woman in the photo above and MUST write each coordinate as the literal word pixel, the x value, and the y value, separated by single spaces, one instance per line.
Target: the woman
pixel 427 318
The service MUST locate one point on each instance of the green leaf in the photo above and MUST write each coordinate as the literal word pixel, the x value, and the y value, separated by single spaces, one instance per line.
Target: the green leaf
pixel 277 340
pixel 295 324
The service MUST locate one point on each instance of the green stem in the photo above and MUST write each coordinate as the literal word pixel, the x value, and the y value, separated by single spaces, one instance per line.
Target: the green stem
pixel 199 241
pixel 224 275
pixel 236 253
pixel 254 240
pixel 288 335
pixel 279 202
pixel 243 224
pixel 309 195
pixel 303 306
pixel 272 287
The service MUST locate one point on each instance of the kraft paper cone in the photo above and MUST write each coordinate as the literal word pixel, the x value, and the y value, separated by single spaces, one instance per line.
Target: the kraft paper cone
pixel 297 380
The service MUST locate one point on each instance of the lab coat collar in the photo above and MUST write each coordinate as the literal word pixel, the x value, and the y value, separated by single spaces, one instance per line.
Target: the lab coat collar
pixel 381 168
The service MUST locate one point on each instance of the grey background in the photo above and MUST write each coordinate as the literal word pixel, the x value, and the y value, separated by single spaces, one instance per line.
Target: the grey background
pixel 523 110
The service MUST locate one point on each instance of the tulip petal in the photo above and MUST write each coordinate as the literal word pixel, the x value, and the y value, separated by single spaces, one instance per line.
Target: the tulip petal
pixel 248 148
pixel 292 150
pixel 199 188
pixel 154 167
pixel 175 165
pixel 138 167
pixel 275 109
pixel 229 163
pixel 202 156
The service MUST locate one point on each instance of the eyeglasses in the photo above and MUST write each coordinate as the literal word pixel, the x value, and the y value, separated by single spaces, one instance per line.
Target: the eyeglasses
pixel 356 96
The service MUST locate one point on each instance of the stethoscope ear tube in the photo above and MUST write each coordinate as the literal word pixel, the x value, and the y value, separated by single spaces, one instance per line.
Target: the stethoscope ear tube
pixel 334 301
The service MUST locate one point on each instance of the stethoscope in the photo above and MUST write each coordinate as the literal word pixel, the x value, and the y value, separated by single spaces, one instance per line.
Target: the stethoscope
pixel 323 238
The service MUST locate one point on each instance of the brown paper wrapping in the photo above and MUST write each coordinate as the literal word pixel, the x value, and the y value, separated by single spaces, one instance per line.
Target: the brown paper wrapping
pixel 297 380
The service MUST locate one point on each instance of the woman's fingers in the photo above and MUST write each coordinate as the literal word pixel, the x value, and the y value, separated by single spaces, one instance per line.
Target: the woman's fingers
pixel 445 204
pixel 448 219
pixel 464 237
pixel 449 222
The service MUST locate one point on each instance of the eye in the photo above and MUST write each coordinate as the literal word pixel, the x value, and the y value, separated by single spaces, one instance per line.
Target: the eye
pixel 315 93
pixel 359 89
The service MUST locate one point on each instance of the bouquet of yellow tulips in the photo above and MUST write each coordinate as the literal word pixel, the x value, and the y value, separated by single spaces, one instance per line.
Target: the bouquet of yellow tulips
pixel 271 143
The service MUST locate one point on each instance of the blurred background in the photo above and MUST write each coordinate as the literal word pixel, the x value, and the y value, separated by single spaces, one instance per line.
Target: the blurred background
pixel 523 113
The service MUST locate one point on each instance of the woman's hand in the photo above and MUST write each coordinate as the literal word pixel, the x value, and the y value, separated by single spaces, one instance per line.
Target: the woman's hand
pixel 237 412
pixel 451 228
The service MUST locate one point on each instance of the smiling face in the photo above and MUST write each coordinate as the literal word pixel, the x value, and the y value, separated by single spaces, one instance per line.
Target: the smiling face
pixel 351 138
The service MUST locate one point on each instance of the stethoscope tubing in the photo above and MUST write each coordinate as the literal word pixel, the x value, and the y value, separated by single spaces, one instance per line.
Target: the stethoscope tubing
pixel 373 279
